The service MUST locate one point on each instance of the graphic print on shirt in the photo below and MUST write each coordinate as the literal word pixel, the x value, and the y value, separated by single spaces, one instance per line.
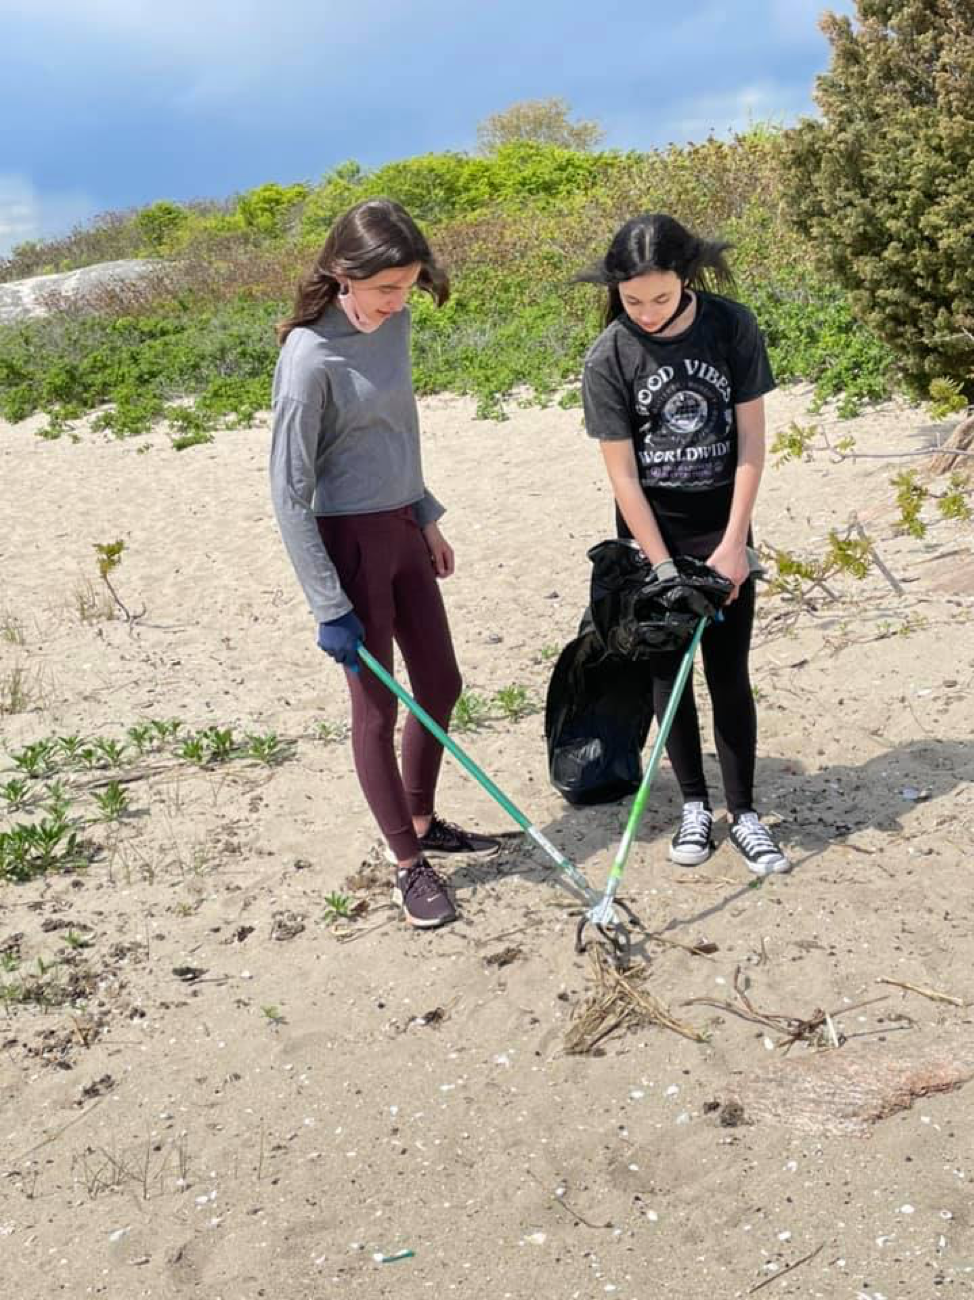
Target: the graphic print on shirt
pixel 685 426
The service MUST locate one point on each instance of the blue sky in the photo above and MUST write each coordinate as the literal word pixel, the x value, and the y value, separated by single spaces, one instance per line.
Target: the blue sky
pixel 116 103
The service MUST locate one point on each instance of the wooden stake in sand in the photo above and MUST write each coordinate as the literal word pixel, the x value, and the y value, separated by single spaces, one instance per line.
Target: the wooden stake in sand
pixel 618 1003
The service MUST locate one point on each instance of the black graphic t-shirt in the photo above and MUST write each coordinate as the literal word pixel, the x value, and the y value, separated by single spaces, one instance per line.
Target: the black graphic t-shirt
pixel 674 398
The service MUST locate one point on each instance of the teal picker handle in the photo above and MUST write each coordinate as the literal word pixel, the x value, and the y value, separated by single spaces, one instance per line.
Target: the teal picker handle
pixel 479 775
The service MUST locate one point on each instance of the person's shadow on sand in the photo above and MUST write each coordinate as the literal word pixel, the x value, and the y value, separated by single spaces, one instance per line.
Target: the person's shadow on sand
pixel 815 811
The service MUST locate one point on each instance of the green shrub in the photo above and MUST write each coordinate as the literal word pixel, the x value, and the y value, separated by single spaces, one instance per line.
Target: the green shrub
pixel 883 186
pixel 513 229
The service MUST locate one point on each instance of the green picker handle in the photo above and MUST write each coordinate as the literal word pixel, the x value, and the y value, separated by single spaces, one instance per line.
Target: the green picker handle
pixel 601 914
pixel 559 859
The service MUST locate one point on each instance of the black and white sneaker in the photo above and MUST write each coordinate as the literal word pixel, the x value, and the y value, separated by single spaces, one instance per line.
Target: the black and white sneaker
pixel 757 845
pixel 693 843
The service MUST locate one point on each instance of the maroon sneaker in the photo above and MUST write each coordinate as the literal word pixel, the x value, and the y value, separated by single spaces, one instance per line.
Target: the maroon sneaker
pixel 445 837
pixel 421 893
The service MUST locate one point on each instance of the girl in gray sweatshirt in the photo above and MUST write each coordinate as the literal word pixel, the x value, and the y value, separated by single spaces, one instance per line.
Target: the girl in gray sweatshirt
pixel 362 529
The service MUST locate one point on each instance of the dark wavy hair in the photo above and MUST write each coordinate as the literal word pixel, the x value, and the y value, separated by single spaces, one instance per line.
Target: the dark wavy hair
pixel 373 236
pixel 658 242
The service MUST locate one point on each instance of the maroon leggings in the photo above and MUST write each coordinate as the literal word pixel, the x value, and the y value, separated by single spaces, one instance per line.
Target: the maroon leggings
pixel 385 570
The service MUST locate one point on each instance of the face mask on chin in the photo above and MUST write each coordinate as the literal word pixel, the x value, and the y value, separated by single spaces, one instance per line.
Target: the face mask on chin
pixel 346 300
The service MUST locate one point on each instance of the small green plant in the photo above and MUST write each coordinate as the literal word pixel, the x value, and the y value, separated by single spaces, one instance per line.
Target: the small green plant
pixel 954 504
pixel 549 652
pixel 77 941
pixel 165 728
pixel 57 804
pixel 514 702
pixel 140 737
pixel 15 794
pixel 193 749
pixel 70 748
pixel 221 743
pixel 337 906
pixel 110 752
pixel 197 438
pixel 792 574
pixel 112 802
pixel 946 398
pixel 211 745
pixel 851 555
pixel 331 732
pixel 194 424
pixel 109 558
pixel 910 496
pixel 33 848
pixel 35 760
pixel 274 1015
pixel 794 443
pixel 469 712
pixel 265 749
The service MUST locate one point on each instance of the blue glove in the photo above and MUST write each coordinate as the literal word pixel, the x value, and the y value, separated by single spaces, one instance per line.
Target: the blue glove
pixel 340 638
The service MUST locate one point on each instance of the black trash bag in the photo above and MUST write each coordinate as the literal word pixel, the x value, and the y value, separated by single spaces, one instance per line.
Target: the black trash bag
pixel 636 614
pixel 597 717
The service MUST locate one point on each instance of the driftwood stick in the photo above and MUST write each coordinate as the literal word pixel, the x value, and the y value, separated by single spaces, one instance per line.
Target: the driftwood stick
pixel 932 994
pixel 790 1269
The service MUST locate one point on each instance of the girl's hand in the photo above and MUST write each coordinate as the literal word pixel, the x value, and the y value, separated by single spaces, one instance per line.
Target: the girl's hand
pixel 441 552
pixel 731 561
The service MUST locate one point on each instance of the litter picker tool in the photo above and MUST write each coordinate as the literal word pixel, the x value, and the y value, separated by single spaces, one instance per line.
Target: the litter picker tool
pixel 602 914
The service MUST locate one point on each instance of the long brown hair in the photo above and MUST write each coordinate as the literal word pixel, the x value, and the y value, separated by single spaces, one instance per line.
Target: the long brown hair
pixel 371 237
pixel 656 241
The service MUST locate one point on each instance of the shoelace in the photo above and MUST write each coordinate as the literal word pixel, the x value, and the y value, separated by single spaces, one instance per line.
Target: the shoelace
pixel 421 875
pixel 695 825
pixel 440 830
pixel 757 838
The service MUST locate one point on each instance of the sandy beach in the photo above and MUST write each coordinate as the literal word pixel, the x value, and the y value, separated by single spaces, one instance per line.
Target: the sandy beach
pixel 225 1089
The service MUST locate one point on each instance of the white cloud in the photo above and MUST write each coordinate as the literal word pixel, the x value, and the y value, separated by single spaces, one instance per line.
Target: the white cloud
pixel 28 213
pixel 737 110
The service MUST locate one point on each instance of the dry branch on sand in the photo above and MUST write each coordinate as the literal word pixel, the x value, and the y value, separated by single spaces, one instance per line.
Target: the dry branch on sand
pixel 619 1002
pixel 847 1090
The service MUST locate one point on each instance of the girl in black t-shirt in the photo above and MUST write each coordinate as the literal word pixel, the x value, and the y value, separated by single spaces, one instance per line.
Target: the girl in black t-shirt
pixel 674 389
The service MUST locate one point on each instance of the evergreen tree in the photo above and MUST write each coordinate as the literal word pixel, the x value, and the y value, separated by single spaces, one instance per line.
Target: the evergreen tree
pixel 884 184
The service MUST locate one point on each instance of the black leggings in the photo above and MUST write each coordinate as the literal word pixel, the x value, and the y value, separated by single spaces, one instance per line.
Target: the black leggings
pixel 725 648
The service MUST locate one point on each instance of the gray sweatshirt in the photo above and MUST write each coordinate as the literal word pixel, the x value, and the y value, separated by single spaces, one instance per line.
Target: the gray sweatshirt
pixel 345 440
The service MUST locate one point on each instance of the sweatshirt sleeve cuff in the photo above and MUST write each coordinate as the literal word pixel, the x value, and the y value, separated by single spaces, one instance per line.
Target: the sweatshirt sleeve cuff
pixel 428 510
